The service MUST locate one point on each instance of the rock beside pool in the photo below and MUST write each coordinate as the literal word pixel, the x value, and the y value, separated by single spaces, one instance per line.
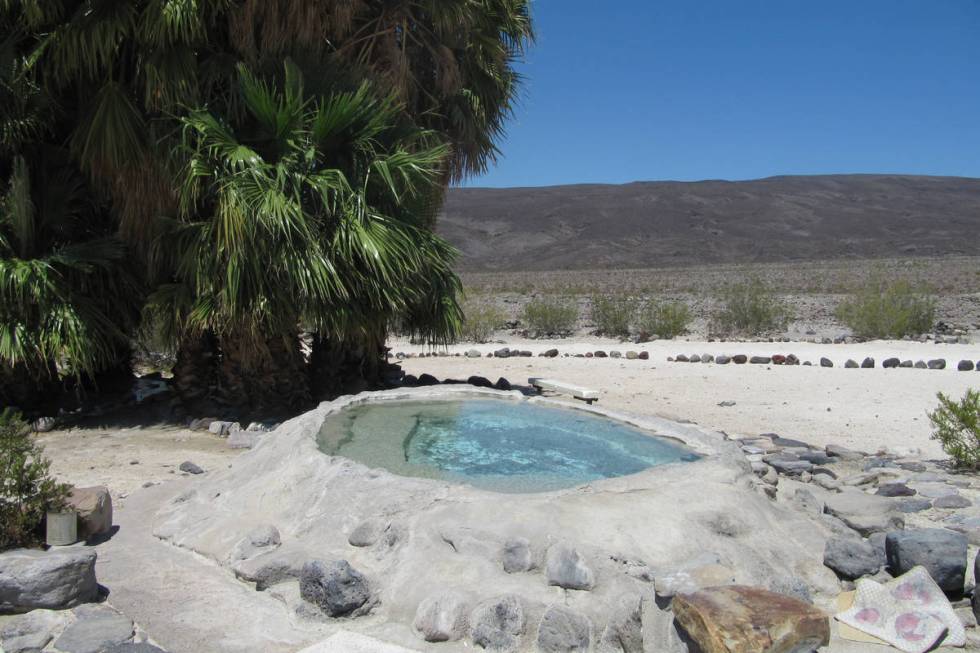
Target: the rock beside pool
pixel 517 556
pixel 94 508
pixel 96 628
pixel 442 618
pixel 480 381
pixel 31 632
pixel 937 364
pixel 55 579
pixel 850 557
pixel 826 362
pixel 563 630
pixel 565 567
pixel 760 360
pixel 868 363
pixel 894 490
pixel 952 502
pixel 865 513
pixel 941 552
pixel 706 571
pixel 497 624
pixel 742 619
pixel 190 468
pixel 271 568
pixel 624 632
pixel 367 532
pixel 260 539
pixel 335 587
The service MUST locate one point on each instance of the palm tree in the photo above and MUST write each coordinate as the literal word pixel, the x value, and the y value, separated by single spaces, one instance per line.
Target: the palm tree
pixel 299 213
pixel 252 242
pixel 68 296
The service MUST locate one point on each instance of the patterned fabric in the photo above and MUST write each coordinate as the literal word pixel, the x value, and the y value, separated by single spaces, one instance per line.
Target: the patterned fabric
pixel 910 612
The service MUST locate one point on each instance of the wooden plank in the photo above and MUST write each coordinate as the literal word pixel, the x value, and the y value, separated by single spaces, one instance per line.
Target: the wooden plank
pixel 576 391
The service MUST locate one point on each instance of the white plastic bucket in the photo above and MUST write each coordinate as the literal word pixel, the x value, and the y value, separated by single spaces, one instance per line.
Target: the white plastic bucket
pixel 62 528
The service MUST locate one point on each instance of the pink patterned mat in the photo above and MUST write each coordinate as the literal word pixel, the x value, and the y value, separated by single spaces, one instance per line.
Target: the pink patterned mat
pixel 910 612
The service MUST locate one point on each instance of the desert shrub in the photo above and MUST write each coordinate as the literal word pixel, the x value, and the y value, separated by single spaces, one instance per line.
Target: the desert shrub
pixel 751 307
pixel 956 424
pixel 612 315
pixel 888 309
pixel 663 319
pixel 480 321
pixel 548 316
pixel 27 490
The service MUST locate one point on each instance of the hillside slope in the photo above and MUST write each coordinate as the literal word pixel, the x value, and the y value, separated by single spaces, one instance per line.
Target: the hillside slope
pixel 655 224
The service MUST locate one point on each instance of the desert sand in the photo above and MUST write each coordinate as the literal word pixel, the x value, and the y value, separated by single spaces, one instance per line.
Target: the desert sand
pixel 863 409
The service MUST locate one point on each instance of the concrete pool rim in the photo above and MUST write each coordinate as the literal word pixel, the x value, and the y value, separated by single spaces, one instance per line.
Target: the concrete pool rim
pixel 705 444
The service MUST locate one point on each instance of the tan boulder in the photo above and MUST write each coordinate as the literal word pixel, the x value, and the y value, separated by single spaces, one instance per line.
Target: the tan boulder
pixel 94 508
pixel 741 619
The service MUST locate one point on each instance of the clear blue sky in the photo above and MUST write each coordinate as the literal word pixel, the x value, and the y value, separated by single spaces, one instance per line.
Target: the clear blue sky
pixel 627 90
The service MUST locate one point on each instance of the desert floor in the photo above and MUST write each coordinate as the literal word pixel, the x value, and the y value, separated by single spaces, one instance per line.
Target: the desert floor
pixel 862 409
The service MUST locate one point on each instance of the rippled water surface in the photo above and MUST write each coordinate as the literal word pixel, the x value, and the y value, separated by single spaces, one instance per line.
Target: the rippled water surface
pixel 501 445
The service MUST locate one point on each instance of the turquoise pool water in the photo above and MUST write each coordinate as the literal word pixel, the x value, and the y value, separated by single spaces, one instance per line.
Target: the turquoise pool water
pixel 500 445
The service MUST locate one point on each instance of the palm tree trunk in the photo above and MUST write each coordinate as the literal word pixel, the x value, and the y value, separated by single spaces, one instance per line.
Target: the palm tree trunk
pixel 195 368
pixel 22 391
pixel 263 378
pixel 338 368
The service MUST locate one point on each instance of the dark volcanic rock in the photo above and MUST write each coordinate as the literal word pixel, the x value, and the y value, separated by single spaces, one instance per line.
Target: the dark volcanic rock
pixel 563 631
pixel 480 382
pixel 894 490
pixel 941 552
pixel 913 505
pixel 335 587
pixel 850 557
pixel 868 363
pixel 889 363
pixel 740 359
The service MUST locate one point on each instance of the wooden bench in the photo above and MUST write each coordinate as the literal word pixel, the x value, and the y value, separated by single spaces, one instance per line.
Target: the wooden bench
pixel 577 391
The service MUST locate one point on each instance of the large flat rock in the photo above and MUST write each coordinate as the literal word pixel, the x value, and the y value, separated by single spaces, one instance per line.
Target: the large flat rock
pixel 54 579
pixel 741 619
pixel 865 513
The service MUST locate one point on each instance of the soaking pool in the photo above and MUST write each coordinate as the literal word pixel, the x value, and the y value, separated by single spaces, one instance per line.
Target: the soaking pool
pixel 494 444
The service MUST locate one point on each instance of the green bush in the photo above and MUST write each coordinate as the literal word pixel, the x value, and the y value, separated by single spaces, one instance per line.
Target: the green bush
pixel 481 321
pixel 957 427
pixel 663 319
pixel 550 316
pixel 612 315
pixel 27 490
pixel 888 309
pixel 751 307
